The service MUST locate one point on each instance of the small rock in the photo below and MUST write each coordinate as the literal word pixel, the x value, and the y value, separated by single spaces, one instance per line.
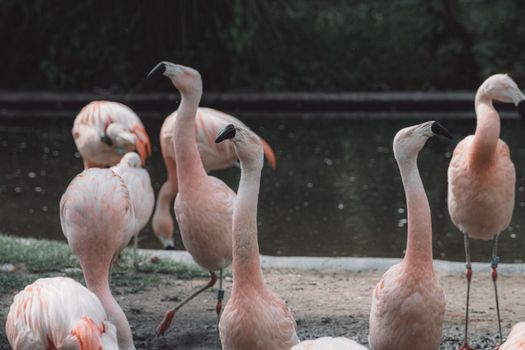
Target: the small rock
pixel 72 270
pixel 7 268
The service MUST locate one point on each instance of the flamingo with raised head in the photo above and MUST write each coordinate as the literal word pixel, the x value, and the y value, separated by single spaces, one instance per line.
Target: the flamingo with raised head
pixel 516 338
pixel 254 318
pixel 408 304
pixel 138 183
pixel 105 130
pixel 97 218
pixel 204 204
pixel 58 313
pixel 481 179
pixel 329 343
pixel 214 157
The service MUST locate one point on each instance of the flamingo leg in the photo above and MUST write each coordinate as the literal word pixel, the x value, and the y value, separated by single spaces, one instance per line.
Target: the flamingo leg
pixel 162 221
pixel 168 316
pixel 135 247
pixel 218 308
pixel 494 274
pixel 468 275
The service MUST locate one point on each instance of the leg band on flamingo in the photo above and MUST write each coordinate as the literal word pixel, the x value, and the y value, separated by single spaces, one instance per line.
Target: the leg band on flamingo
pixel 218 309
pixel 468 275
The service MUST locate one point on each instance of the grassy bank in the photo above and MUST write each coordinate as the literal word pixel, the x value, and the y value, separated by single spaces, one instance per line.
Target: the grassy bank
pixel 33 259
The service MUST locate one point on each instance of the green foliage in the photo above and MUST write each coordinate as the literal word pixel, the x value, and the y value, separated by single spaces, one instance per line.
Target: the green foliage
pixel 303 45
pixel 35 259
pixel 37 255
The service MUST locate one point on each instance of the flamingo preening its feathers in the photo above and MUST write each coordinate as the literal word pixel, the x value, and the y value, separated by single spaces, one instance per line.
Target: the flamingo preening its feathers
pixel 59 313
pixel 105 130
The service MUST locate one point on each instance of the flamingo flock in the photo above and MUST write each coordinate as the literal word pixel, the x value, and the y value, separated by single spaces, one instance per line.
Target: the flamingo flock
pixel 111 201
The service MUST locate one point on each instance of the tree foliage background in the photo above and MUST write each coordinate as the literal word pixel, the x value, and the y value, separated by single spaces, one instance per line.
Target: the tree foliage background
pixel 261 45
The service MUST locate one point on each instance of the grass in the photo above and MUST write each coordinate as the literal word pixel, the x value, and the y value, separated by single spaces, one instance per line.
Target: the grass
pixel 35 259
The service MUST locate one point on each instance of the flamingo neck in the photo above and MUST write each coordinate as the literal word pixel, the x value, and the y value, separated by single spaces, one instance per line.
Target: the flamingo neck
pixel 246 261
pixel 487 130
pixel 187 157
pixel 419 236
pixel 98 283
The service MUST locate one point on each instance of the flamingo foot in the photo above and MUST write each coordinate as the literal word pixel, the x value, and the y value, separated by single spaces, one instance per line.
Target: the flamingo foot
pixel 465 346
pixel 166 322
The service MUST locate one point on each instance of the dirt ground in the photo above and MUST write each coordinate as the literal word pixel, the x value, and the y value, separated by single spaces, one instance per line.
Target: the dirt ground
pixel 323 304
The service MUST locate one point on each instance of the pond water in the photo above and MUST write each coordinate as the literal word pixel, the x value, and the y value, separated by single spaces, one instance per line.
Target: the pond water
pixel 336 191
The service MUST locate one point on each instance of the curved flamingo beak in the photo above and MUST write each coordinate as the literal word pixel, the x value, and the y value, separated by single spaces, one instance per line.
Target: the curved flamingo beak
pixel 521 110
pixel 269 154
pixel 158 70
pixel 106 140
pixel 439 129
pixel 143 144
pixel 228 132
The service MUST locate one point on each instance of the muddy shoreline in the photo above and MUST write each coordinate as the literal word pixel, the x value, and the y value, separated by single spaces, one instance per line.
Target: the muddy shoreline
pixel 323 303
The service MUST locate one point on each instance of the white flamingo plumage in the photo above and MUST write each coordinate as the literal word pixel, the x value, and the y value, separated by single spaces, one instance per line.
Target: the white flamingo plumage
pixel 329 343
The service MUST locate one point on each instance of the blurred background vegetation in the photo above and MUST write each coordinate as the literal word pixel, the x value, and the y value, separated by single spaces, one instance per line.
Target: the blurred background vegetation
pixel 261 45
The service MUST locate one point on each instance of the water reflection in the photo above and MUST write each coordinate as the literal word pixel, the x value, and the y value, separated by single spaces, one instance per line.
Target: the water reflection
pixel 336 191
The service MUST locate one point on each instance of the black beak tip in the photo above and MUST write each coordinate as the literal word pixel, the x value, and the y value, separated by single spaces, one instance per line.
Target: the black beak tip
pixel 106 140
pixel 439 129
pixel 521 110
pixel 228 132
pixel 159 69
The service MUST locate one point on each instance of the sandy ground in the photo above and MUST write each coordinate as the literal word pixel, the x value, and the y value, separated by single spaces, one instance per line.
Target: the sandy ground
pixel 323 304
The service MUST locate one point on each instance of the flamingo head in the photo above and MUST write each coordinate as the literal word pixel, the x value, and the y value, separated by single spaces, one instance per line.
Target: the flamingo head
pixel 131 160
pixel 409 141
pixel 501 87
pixel 186 79
pixel 118 136
pixel 248 145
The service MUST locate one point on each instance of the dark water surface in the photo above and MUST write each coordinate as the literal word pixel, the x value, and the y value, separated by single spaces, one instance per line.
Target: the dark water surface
pixel 336 191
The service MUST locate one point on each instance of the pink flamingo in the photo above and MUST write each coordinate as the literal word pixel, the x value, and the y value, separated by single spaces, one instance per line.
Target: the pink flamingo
pixel 204 204
pixel 516 338
pixel 214 157
pixel 329 343
pixel 408 303
pixel 97 218
pixel 104 131
pixel 481 178
pixel 138 183
pixel 254 317
pixel 58 313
